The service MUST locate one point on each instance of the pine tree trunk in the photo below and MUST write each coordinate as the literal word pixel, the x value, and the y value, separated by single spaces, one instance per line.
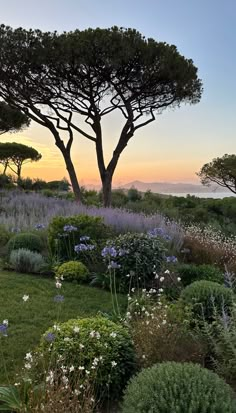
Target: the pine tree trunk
pixel 73 178
pixel 106 191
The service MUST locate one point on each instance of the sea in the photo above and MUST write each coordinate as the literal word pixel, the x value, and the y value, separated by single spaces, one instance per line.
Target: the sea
pixel 214 195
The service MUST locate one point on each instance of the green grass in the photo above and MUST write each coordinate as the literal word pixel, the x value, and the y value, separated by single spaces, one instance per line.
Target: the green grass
pixel 29 320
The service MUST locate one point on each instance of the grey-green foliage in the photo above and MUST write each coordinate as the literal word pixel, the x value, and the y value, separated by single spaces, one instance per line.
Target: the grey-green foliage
pixel 221 338
pixel 207 298
pixel 26 261
pixel 178 388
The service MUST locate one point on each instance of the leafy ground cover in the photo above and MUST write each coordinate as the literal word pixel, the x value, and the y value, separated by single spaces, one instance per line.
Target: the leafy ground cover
pixel 29 319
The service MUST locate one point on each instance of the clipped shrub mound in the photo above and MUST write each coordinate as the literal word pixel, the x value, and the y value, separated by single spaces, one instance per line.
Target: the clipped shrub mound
pixel 191 272
pixel 27 241
pixel 26 261
pixel 207 298
pixel 66 232
pixel 73 271
pixel 97 345
pixel 178 388
pixel 135 256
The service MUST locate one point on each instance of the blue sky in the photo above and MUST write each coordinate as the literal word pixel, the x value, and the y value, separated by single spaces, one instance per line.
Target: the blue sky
pixel 179 142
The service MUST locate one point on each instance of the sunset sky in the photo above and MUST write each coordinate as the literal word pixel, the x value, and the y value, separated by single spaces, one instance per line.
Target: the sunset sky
pixel 179 142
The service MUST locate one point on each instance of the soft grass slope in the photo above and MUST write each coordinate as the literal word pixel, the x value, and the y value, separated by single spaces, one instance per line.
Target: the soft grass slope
pixel 29 320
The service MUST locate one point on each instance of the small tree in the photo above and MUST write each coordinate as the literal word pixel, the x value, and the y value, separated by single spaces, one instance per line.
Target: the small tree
pixel 14 155
pixel 221 171
pixel 11 119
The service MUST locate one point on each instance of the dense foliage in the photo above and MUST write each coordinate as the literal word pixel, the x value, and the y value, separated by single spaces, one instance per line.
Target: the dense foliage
pixel 135 257
pixel 26 261
pixel 208 298
pixel 73 271
pixel 180 388
pixel 25 240
pixel 191 272
pixel 97 342
pixel 64 233
pixel 221 171
pixel 12 119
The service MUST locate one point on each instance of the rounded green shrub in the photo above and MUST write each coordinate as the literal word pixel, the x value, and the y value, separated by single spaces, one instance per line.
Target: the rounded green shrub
pixel 207 298
pixel 25 240
pixel 178 388
pixel 26 261
pixel 90 342
pixel 73 270
pixel 135 256
pixel 191 272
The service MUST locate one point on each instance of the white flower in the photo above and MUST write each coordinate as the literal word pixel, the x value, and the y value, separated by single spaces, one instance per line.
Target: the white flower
pixel 167 272
pixel 5 322
pixel 56 327
pixel 28 366
pixel 76 329
pixel 160 290
pixel 113 364
pixel 113 335
pixel 66 339
pixel 162 279
pixel 50 377
pixel 58 284
pixel 178 278
pixel 65 380
pixel 29 357
pixel 81 368
pixel 72 368
pixel 164 322
pixel 143 356
pixel 25 297
pixel 81 346
pixel 76 392
pixel 133 290
pixel 156 276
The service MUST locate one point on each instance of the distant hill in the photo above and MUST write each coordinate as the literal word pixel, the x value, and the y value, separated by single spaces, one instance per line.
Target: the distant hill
pixel 167 187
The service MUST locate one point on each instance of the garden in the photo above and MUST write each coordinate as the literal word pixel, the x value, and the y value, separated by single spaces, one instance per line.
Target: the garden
pixel 107 310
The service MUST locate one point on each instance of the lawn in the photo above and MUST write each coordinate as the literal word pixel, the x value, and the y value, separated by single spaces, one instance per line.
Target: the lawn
pixel 28 320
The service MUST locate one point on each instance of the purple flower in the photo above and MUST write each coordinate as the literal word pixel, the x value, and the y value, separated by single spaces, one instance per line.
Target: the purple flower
pixel 156 232
pixel 59 298
pixel 50 337
pixel 69 228
pixel 83 247
pixel 39 226
pixel 113 265
pixel 84 238
pixel 109 252
pixel 166 237
pixel 3 330
pixel 172 259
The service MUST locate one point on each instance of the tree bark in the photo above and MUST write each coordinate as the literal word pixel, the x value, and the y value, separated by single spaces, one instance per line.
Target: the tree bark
pixel 73 178
pixel 5 168
pixel 106 190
